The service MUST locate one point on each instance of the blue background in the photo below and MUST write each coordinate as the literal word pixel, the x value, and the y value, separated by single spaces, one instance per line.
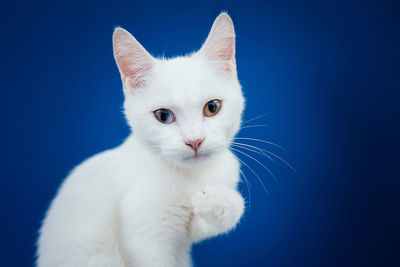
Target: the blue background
pixel 326 72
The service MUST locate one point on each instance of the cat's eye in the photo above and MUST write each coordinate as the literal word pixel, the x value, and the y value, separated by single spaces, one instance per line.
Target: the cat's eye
pixel 164 115
pixel 212 107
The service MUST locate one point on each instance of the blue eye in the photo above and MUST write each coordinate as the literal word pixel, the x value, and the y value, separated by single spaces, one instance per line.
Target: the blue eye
pixel 164 115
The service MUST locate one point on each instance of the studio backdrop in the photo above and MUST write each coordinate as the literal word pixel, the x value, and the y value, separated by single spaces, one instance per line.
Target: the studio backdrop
pixel 320 78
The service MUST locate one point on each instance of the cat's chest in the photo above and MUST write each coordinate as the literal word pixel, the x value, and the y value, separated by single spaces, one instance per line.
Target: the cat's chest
pixel 163 189
pixel 164 195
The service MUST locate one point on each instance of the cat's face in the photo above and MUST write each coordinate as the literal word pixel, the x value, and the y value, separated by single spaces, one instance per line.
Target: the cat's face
pixel 186 109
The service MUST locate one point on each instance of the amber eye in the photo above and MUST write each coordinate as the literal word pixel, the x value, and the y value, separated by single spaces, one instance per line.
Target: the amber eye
pixel 212 107
pixel 164 115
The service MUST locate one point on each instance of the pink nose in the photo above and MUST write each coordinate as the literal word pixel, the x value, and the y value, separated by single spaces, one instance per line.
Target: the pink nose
pixel 194 144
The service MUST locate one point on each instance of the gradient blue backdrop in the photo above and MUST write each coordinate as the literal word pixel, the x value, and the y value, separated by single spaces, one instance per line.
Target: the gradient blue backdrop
pixel 326 72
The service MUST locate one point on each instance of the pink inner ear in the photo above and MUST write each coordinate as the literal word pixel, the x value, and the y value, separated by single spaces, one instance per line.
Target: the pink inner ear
pixel 133 61
pixel 222 52
pixel 221 48
pixel 134 65
pixel 228 67
pixel 220 44
pixel 135 73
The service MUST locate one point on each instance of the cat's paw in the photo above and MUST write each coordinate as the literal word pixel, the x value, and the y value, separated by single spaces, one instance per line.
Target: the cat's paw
pixel 219 205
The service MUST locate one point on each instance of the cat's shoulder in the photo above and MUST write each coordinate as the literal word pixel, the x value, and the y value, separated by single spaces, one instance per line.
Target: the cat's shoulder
pixel 99 161
pixel 94 170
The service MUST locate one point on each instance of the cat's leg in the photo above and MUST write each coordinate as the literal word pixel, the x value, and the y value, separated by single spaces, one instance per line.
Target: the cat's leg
pixel 155 234
pixel 76 255
pixel 156 248
pixel 216 209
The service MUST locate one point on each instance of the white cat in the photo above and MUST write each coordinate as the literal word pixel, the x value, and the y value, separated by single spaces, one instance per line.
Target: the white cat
pixel 173 182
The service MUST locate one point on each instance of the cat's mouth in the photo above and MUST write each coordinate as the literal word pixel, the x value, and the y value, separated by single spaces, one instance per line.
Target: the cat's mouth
pixel 197 157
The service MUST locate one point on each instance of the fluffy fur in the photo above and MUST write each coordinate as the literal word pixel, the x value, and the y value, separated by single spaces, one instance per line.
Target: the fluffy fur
pixel 144 203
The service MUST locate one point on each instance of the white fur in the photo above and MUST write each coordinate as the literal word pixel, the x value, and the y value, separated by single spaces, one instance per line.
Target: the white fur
pixel 145 202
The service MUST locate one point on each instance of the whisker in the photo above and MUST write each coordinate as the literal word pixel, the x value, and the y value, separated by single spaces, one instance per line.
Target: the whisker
pixel 274 155
pixel 260 116
pixel 287 164
pixel 260 140
pixel 255 149
pixel 262 153
pixel 273 176
pixel 259 179
pixel 253 126
pixel 247 184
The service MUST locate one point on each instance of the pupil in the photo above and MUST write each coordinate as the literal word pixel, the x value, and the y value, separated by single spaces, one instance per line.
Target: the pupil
pixel 164 115
pixel 212 107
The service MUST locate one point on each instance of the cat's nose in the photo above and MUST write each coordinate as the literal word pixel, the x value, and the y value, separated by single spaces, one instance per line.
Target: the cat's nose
pixel 194 144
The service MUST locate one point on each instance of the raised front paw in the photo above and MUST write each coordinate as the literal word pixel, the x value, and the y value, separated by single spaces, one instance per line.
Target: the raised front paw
pixel 219 205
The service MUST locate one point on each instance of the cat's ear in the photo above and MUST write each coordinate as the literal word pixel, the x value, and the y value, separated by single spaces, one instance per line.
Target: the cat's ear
pixel 133 61
pixel 220 44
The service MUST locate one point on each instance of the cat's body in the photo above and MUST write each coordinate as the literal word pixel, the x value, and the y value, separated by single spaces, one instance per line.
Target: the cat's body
pixel 157 210
pixel 170 184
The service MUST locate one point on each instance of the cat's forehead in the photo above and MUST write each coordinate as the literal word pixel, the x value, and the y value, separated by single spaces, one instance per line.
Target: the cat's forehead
pixel 191 74
pixel 184 81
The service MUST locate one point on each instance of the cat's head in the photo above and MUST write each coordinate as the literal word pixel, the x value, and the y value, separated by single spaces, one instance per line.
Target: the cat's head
pixel 184 109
